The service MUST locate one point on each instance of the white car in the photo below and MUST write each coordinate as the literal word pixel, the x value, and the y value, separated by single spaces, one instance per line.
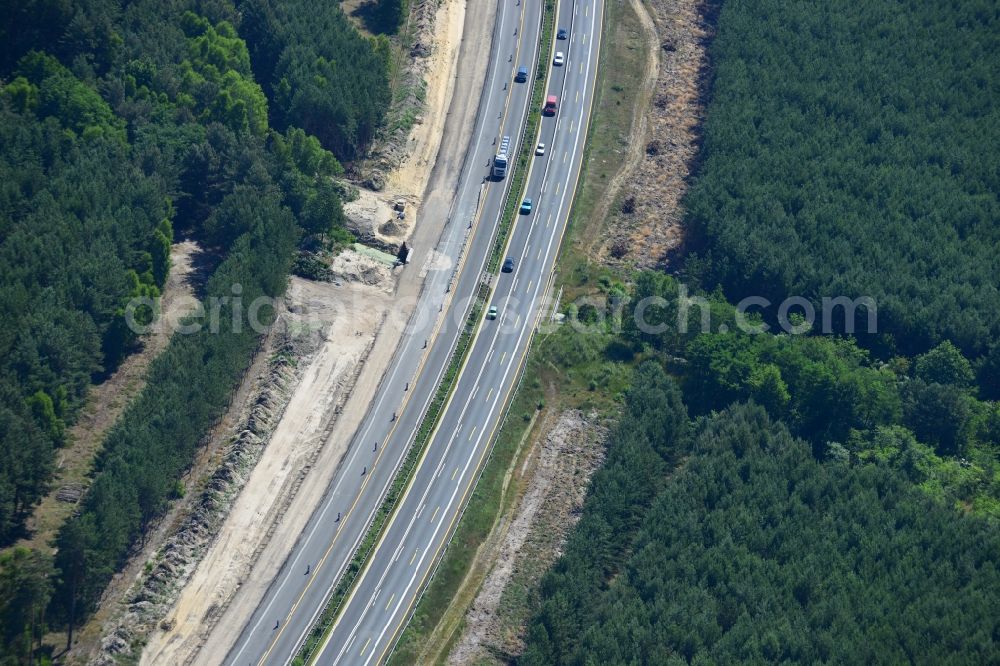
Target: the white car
pixel 559 59
pixel 540 149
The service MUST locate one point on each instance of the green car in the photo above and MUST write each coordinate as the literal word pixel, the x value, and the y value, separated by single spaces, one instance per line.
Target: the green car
pixel 526 207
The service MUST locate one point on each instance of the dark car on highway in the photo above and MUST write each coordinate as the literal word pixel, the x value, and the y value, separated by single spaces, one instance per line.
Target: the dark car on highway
pixel 508 265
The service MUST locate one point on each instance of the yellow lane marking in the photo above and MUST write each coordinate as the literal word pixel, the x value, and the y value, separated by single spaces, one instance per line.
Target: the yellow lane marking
pixel 454 473
pixel 415 551
pixel 390 600
pixel 337 534
pixel 365 647
pixel 471 434
pixel 435 513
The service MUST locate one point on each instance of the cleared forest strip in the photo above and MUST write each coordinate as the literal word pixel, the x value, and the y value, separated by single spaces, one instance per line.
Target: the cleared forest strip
pixel 107 401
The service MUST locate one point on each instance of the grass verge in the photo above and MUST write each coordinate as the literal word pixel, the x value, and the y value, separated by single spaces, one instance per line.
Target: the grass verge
pixel 572 365
pixel 332 609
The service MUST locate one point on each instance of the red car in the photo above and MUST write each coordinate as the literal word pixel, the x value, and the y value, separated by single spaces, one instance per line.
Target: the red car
pixel 551 104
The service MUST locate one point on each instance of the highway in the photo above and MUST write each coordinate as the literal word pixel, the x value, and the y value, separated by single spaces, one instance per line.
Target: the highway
pixel 453 459
pixel 388 588
pixel 295 598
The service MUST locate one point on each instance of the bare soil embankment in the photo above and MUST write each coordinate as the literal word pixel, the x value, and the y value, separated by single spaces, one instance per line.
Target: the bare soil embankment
pixel 399 169
pixel 525 546
pixel 324 337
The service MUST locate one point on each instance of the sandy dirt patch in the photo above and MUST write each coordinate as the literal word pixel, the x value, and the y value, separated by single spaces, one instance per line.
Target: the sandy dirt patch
pixel 425 139
pixel 350 266
pixel 347 318
pixel 373 216
pixel 519 551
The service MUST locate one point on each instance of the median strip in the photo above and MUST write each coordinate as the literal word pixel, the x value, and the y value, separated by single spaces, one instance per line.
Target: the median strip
pixel 327 618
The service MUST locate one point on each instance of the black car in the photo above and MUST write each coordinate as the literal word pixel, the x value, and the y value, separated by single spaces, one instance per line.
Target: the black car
pixel 562 34
pixel 508 265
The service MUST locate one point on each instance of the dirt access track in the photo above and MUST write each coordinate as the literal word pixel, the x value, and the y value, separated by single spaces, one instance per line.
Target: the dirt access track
pixel 336 381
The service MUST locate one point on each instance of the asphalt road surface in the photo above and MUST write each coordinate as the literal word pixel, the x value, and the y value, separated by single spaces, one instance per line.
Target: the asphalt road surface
pixel 387 590
pixel 321 553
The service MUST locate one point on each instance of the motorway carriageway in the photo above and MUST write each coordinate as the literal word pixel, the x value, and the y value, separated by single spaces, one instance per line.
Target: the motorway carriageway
pixel 387 590
pixel 294 598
